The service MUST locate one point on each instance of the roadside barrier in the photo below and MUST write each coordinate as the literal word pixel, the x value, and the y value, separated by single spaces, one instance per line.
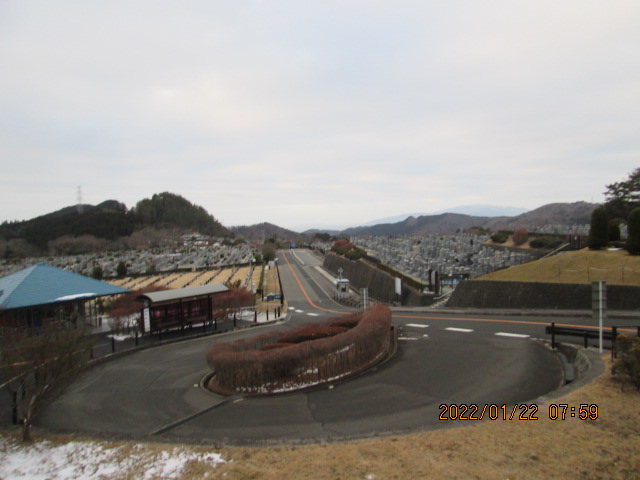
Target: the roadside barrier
pixel 608 333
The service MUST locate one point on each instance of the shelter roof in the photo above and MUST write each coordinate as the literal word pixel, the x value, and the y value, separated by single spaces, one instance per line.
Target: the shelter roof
pixel 182 293
pixel 43 284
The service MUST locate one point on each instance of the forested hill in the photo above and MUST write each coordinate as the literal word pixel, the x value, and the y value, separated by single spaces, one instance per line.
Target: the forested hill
pixel 111 220
pixel 167 210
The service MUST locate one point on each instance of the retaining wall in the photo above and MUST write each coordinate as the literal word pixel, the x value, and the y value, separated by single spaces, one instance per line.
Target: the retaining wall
pixel 381 284
pixel 532 295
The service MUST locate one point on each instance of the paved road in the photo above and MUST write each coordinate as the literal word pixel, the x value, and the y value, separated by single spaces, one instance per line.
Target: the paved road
pixel 442 359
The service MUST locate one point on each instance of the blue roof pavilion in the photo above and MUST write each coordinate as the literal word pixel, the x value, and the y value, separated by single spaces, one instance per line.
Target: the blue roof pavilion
pixel 43 284
pixel 40 292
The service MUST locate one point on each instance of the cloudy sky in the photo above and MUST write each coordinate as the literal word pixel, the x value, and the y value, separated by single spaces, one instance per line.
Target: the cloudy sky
pixel 327 114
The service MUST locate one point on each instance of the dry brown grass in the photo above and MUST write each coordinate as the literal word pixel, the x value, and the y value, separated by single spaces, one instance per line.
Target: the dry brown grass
pixel 607 448
pixel 582 266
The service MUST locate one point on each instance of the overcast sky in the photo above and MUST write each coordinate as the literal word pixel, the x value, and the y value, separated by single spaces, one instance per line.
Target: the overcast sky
pixel 316 114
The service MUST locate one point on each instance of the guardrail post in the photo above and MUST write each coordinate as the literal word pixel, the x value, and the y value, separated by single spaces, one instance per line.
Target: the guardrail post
pixel 14 407
pixel 586 339
pixel 553 335
pixel 234 320
pixel 113 344
pixel 614 336
pixel 137 339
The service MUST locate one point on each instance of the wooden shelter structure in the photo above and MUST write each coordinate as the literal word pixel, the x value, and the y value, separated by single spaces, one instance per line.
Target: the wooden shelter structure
pixel 179 307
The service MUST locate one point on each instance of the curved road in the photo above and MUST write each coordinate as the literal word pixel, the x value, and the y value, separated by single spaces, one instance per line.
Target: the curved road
pixel 441 359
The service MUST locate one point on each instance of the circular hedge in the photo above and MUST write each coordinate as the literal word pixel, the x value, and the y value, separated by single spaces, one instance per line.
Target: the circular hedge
pixel 310 355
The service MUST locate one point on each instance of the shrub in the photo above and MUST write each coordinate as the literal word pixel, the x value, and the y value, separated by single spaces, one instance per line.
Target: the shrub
pixel 599 232
pixel 554 244
pixel 499 237
pixel 342 246
pixel 520 236
pixel 538 243
pixel 311 333
pixel 266 364
pixel 633 239
pixel 354 254
pixel 273 346
pixel 614 230
pixel 627 365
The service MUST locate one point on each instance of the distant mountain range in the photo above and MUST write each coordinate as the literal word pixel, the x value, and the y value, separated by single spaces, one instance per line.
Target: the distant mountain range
pixel 552 214
pixel 473 210
pixel 264 231
pixel 112 222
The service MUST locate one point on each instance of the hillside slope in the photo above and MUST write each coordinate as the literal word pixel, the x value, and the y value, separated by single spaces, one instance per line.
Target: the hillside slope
pixel 582 267
pixel 111 220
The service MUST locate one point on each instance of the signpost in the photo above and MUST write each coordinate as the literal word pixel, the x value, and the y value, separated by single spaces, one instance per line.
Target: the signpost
pixel 599 306
pixel 147 319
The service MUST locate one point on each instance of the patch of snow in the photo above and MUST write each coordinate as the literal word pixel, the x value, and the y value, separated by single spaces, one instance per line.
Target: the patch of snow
pixel 75 296
pixel 93 461
pixel 120 338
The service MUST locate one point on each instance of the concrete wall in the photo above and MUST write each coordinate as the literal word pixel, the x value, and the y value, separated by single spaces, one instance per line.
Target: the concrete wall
pixel 381 285
pixel 531 295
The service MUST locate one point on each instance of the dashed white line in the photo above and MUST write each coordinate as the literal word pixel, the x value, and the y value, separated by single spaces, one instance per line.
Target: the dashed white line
pixel 463 330
pixel 417 325
pixel 514 335
pixel 313 314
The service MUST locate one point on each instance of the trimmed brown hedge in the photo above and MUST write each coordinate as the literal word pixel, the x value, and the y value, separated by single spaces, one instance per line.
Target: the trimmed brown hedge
pixel 266 364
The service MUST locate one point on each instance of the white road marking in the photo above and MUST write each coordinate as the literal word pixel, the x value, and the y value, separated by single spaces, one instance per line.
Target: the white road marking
pixel 417 325
pixel 325 274
pixel 463 330
pixel 515 335
pixel 313 314
pixel 407 338
pixel 299 311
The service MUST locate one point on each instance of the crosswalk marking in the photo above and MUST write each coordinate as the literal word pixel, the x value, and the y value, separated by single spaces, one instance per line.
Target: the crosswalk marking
pixel 463 330
pixel 514 335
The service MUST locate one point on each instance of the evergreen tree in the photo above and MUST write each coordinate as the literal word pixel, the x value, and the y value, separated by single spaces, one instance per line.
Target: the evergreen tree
pixel 622 197
pixel 614 230
pixel 599 232
pixel 121 270
pixel 633 240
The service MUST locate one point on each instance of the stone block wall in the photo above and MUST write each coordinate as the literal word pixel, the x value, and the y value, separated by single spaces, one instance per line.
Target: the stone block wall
pixel 543 296
pixel 381 284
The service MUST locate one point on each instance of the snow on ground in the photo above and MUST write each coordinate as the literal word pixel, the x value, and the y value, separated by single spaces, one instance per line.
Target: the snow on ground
pixel 82 460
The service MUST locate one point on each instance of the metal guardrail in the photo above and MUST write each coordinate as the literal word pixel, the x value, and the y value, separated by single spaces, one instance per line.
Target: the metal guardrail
pixel 610 334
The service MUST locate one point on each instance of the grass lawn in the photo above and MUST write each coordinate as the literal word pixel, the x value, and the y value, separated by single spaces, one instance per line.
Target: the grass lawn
pixel 582 266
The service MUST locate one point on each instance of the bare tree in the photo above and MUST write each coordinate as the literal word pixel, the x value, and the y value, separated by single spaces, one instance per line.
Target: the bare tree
pixel 37 364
